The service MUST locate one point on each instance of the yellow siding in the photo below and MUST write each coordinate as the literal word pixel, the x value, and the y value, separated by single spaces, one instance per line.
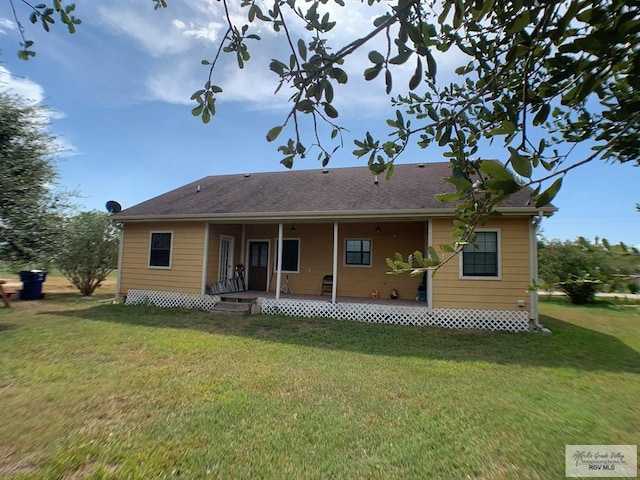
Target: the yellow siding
pixel 215 231
pixel 185 274
pixel 404 238
pixel 451 291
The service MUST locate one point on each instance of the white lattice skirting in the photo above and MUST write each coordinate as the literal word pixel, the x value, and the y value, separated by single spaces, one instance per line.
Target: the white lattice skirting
pixel 171 299
pixel 514 321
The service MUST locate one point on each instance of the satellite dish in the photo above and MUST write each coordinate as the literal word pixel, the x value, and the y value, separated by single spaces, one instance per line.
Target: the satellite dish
pixel 113 207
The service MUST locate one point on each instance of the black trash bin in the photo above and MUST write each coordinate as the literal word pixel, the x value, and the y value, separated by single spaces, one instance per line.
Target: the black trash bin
pixel 32 281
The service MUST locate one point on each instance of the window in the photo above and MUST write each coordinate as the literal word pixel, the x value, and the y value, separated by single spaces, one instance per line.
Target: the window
pixel 291 255
pixel 481 259
pixel 358 252
pixel 160 249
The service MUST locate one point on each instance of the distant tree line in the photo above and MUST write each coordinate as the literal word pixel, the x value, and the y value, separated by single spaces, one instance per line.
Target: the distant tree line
pixel 581 268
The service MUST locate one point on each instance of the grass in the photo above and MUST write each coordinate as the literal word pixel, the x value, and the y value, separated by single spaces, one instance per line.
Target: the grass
pixel 93 390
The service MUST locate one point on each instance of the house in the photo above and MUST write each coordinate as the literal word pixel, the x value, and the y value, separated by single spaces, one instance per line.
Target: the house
pixel 292 229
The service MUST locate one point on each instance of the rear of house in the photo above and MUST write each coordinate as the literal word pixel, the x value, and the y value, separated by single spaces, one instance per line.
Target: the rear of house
pixel 286 233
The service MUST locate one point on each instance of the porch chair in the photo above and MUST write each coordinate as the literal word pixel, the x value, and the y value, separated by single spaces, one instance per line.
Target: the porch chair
pixel 327 284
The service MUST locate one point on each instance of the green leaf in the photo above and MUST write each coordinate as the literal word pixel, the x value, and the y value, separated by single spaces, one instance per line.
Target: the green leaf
pixel 446 136
pixel 197 94
pixel 448 197
pixel 388 80
pixel 197 111
pixel 391 264
pixel 211 104
pixel 506 186
pixel 461 183
pixel 287 161
pixel 401 58
pixel 432 67
pixel 206 116
pixel 520 163
pixel 305 106
pixel 339 74
pixel 495 170
pixel 506 128
pixel 274 133
pixel 520 22
pixel 330 111
pixel 542 114
pixel 390 172
pixel 372 72
pixel 278 67
pixel 549 194
pixel 447 248
pixel 376 57
pixel 433 254
pixel 302 48
pixel 417 75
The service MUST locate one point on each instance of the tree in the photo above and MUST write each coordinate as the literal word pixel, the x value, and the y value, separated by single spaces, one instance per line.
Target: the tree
pixel 30 209
pixel 89 251
pixel 538 77
pixel 581 268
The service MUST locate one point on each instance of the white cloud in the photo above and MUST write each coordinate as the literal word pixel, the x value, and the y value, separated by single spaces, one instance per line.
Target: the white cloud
pixel 177 38
pixel 6 25
pixel 207 32
pixel 21 86
pixel 34 93
pixel 167 32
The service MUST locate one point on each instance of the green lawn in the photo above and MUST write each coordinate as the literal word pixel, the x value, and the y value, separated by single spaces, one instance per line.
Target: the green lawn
pixel 93 390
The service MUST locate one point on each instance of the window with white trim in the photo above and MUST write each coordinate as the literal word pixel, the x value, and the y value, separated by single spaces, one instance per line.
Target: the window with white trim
pixel 357 252
pixel 160 249
pixel 482 259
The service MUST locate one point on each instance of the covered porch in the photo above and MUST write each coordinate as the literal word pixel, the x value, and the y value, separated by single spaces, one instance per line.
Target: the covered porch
pixel 342 260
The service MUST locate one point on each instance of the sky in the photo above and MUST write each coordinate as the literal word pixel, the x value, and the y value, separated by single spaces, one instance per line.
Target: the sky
pixel 119 93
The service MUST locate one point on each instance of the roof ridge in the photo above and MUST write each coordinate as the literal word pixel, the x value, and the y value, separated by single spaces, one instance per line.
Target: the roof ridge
pixel 311 170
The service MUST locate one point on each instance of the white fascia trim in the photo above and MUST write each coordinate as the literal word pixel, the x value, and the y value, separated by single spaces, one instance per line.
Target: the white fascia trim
pixel 377 215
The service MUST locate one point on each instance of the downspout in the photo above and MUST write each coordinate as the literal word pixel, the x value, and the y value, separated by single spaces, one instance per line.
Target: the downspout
pixel 205 259
pixel 334 286
pixel 429 292
pixel 534 324
pixel 279 264
pixel 120 255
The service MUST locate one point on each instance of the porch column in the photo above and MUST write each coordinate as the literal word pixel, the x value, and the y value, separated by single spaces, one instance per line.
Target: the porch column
pixel 242 245
pixel 334 286
pixel 279 264
pixel 429 292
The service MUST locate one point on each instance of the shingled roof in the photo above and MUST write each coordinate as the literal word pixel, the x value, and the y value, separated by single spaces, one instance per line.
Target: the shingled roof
pixel 337 193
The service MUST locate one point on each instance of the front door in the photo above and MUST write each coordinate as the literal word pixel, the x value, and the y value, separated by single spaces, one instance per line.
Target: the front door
pixel 258 265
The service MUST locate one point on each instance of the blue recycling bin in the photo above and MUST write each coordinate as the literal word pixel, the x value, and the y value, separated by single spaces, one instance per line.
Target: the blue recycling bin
pixel 32 281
